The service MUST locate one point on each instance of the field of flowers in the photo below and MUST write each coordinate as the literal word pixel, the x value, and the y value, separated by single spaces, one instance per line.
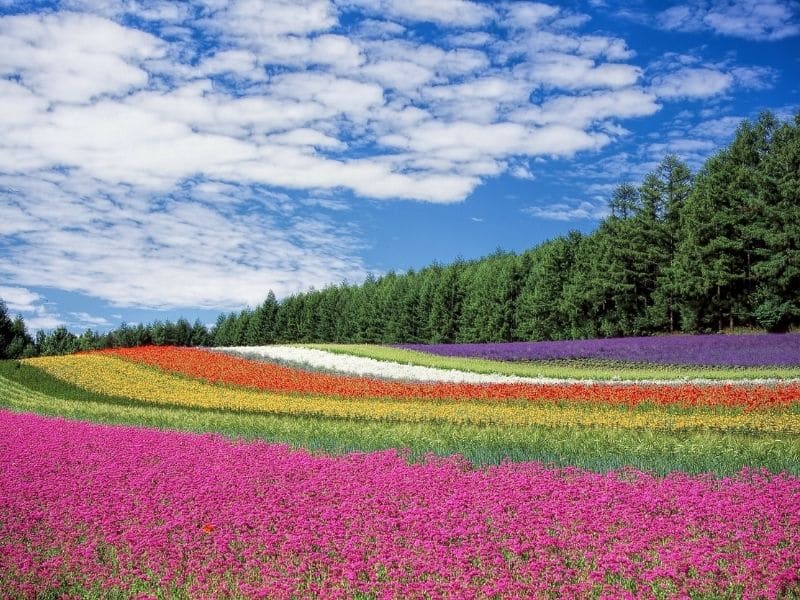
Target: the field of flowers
pixel 380 472
pixel 719 350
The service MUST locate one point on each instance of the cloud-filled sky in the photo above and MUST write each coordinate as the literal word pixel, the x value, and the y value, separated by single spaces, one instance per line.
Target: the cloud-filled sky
pixel 182 158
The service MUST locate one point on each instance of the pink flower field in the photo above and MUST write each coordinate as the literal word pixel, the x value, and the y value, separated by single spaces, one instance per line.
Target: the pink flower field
pixel 108 510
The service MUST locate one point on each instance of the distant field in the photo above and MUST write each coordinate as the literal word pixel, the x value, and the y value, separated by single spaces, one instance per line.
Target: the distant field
pixel 753 350
pixel 570 368
pixel 675 469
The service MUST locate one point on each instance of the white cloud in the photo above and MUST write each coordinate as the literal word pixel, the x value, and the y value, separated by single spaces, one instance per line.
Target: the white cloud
pixel 690 82
pixel 341 96
pixel 83 318
pixel 149 169
pixel 718 129
pixel 522 172
pixel 305 136
pixel 573 72
pixel 32 306
pixel 444 63
pixel 159 253
pixel 149 10
pixel 239 62
pixel 466 141
pixel 569 211
pixel 46 321
pixel 591 46
pixel 469 38
pixel 402 75
pixel 445 12
pixel 754 78
pixel 254 20
pixel 528 14
pixel 374 28
pixel 73 57
pixel 19 299
pixel 681 146
pixel 591 108
pixel 749 19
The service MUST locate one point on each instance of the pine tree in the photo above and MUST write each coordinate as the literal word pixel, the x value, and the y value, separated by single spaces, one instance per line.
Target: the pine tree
pixel 541 313
pixel 674 183
pixel 446 305
pixel 776 301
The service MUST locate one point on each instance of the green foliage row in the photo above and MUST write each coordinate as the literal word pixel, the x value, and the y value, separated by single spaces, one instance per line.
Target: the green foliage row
pixel 567 369
pixel 24 388
pixel 14 339
pixel 19 344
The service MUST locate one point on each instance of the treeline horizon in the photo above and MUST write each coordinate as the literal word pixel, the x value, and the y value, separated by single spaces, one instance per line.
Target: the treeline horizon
pixel 679 252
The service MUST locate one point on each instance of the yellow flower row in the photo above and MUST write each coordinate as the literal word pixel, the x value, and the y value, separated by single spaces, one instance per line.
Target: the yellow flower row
pixel 114 376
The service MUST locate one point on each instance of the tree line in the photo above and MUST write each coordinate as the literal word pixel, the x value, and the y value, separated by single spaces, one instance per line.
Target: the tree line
pixel 16 342
pixel 677 252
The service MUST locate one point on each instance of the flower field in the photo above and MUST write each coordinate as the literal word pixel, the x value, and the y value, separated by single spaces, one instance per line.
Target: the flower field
pixel 717 350
pixel 379 472
pixel 579 368
pixel 128 510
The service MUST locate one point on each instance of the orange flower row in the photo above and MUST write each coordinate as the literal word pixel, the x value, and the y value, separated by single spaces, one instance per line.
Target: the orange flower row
pixel 222 368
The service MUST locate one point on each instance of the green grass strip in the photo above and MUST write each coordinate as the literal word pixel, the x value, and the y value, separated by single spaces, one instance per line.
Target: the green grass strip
pixel 26 389
pixel 558 369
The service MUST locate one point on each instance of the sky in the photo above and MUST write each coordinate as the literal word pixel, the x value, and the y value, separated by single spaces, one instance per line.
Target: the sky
pixel 163 159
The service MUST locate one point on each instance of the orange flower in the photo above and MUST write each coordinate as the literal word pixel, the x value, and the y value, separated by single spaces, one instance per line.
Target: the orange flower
pixel 208 528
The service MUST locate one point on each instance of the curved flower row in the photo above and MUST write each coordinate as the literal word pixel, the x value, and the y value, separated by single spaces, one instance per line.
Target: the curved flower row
pixel 111 375
pixel 222 368
pixel 112 511
pixel 584 370
pixel 369 367
pixel 365 366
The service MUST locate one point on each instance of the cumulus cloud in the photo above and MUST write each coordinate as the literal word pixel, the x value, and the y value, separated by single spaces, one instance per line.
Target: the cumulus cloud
pixel 32 306
pixel 749 19
pixel 85 318
pixel 101 57
pixel 692 82
pixel 191 154
pixel 568 211
pixel 595 106
pixel 717 129
pixel 445 12
pixel 577 72
pixel 161 253
pixel 528 14
pixel 19 299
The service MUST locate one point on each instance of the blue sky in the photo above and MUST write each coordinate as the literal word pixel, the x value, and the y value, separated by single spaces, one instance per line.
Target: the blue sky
pixel 160 158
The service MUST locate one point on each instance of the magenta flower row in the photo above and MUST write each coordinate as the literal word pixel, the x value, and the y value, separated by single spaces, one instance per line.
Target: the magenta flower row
pixel 93 507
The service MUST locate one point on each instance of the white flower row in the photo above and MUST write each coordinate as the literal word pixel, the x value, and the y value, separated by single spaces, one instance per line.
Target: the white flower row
pixel 370 367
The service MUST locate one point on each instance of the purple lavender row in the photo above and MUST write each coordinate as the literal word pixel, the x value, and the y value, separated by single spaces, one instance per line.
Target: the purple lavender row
pixel 118 510
pixel 713 350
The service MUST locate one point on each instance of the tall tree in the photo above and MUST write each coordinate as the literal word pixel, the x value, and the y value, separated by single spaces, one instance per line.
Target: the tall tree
pixel 664 193
pixel 776 301
pixel 541 309
pixel 446 305
pixel 723 226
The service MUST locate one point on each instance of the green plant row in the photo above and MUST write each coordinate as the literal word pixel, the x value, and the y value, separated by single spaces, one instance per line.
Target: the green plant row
pixel 25 389
pixel 576 369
